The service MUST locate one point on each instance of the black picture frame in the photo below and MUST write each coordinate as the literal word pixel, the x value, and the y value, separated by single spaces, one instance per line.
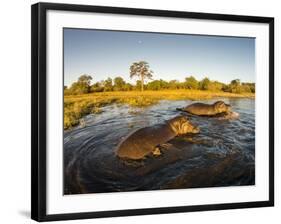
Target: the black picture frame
pixel 39 122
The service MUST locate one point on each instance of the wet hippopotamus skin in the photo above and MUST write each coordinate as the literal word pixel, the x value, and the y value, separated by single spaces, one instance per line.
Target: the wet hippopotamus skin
pixel 143 141
pixel 202 109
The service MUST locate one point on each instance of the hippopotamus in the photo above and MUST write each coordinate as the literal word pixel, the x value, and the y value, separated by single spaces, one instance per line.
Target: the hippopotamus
pixel 144 141
pixel 203 109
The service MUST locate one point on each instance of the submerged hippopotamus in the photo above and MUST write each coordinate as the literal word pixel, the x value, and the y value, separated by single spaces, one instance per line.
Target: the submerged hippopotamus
pixel 203 109
pixel 144 141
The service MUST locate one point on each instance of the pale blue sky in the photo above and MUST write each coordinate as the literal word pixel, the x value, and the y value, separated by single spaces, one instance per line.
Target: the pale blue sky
pixel 103 54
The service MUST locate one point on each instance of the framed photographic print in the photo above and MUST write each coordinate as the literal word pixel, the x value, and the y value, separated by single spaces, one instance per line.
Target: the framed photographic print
pixel 139 111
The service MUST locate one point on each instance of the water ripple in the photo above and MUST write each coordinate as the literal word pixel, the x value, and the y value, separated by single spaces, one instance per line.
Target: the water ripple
pixel 223 154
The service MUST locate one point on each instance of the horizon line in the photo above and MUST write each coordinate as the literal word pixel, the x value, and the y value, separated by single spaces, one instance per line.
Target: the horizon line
pixel 134 80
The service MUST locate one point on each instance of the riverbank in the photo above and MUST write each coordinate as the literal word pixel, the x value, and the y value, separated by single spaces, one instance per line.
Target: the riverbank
pixel 77 106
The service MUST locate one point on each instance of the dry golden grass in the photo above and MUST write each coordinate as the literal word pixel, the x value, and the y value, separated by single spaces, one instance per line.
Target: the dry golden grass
pixel 76 106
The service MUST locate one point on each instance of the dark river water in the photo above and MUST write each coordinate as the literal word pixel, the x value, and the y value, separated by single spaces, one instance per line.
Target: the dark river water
pixel 222 154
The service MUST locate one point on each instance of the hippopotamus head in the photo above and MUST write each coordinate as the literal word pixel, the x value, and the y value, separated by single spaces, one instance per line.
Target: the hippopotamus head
pixel 222 107
pixel 181 125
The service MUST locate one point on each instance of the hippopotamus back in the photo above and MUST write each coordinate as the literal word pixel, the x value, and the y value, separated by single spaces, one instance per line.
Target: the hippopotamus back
pixel 203 109
pixel 200 109
pixel 144 140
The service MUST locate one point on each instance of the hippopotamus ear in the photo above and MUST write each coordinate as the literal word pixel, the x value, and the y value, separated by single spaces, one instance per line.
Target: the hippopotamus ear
pixel 219 104
pixel 184 119
pixel 177 119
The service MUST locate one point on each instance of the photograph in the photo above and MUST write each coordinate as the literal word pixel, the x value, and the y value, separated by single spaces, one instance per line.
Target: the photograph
pixel 157 111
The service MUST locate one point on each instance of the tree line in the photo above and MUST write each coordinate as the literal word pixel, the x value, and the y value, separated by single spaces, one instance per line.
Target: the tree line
pixel 141 69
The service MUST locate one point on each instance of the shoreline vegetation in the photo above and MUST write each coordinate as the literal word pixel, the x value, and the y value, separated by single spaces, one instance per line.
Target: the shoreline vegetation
pixel 82 97
pixel 77 106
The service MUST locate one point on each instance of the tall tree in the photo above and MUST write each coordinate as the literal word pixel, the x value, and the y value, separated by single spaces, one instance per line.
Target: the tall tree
pixel 191 83
pixel 142 70
pixel 108 86
pixel 235 86
pixel 85 79
pixel 204 84
pixel 119 83
pixel 235 82
pixel 82 85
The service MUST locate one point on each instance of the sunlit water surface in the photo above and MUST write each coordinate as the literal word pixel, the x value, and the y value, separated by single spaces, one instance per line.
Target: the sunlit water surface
pixel 223 154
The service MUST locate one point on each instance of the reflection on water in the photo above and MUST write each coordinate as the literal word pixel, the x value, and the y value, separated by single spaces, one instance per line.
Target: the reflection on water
pixel 223 154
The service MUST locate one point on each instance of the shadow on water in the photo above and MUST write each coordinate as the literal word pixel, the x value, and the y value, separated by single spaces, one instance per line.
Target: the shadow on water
pixel 223 154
